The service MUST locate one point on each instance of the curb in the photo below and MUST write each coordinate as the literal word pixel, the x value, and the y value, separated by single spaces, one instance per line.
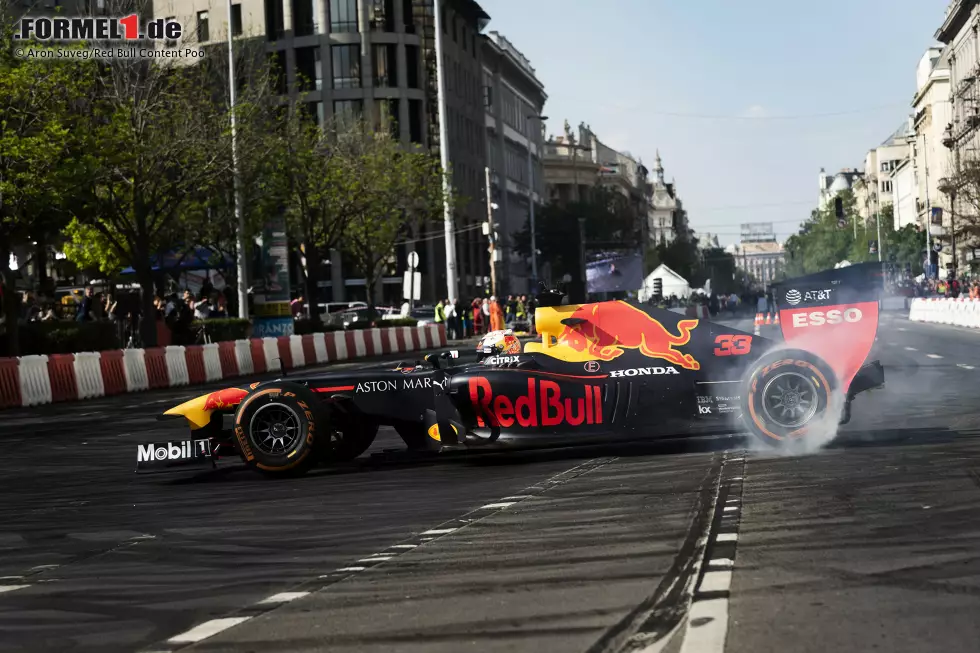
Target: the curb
pixel 35 380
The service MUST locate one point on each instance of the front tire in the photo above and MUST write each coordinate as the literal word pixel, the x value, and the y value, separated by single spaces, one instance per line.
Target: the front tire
pixel 786 400
pixel 277 428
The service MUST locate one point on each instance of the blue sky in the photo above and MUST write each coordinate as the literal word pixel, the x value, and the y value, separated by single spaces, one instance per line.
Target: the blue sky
pixel 771 70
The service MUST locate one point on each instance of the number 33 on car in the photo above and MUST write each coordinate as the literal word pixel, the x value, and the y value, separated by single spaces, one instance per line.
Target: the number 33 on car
pixel 732 345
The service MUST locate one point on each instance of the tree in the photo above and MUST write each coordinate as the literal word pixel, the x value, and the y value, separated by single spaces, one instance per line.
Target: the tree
pixel 213 223
pixel 405 189
pixel 39 155
pixel 822 242
pixel 608 221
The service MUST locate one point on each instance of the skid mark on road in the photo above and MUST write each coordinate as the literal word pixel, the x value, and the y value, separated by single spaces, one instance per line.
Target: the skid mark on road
pixel 690 605
pixel 385 556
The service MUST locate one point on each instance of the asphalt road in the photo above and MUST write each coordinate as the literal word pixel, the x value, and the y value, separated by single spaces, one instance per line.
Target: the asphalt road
pixel 872 543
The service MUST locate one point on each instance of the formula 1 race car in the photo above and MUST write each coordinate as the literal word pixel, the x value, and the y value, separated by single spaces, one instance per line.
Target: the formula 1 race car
pixel 600 371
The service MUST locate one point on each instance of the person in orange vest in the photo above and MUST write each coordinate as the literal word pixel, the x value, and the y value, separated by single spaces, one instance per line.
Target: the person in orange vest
pixel 496 315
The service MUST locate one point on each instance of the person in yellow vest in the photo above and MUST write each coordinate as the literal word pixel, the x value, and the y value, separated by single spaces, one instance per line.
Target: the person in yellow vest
pixel 440 312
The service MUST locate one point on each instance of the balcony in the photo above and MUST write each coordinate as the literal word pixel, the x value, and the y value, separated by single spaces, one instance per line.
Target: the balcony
pixel 566 152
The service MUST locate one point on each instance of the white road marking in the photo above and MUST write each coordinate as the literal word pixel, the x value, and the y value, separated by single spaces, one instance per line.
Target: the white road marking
pixel 283 597
pixel 404 546
pixel 707 627
pixel 10 578
pixel 727 537
pixel 933 355
pixel 376 559
pixel 11 588
pixel 902 329
pixel 911 349
pixel 440 531
pixel 965 367
pixel 205 630
pixel 721 562
pixel 731 508
pixel 519 497
pixel 497 506
pixel 716 581
pixel 352 569
pixel 39 567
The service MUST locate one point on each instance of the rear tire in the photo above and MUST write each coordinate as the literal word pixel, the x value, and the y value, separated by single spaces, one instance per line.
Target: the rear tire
pixel 278 428
pixel 786 400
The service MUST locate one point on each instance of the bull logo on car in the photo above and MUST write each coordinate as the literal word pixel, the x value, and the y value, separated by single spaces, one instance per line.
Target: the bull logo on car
pixel 607 329
pixel 227 398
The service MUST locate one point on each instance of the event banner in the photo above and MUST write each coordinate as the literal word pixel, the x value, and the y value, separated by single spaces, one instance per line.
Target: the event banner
pixel 271 312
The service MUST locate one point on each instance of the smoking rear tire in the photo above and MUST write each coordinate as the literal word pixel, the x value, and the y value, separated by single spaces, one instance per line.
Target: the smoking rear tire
pixel 785 400
pixel 278 428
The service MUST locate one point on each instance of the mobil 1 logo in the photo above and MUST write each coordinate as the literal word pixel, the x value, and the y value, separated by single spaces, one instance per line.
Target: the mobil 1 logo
pixel 173 453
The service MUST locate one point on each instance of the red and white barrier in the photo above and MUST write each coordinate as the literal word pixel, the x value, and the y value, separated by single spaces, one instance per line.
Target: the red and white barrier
pixel 962 311
pixel 34 380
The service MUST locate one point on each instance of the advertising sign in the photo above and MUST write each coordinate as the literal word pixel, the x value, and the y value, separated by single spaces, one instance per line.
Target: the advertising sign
pixel 271 311
pixel 614 272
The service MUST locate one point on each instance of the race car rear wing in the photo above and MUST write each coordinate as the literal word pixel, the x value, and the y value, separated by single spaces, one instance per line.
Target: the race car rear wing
pixel 833 314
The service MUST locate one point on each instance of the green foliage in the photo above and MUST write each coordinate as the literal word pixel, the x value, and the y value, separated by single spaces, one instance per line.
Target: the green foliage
pixel 224 329
pixel 304 326
pixel 64 337
pixel 406 192
pixel 609 222
pixel 822 242
pixel 89 249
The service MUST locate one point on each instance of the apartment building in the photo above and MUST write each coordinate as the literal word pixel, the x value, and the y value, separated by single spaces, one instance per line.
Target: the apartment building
pixel 376 59
pixel 515 99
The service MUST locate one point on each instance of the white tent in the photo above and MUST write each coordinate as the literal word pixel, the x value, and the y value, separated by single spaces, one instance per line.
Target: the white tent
pixel 673 284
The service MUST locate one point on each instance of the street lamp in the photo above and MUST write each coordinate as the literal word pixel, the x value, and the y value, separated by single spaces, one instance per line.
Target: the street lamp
pixel 448 230
pixel 240 264
pixel 530 202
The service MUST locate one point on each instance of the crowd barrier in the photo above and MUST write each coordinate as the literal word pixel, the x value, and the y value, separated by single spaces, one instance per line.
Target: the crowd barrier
pixel 34 380
pixel 963 311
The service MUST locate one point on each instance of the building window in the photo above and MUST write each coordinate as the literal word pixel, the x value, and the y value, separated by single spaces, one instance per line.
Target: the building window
pixel 314 112
pixel 304 18
pixel 343 15
pixel 408 16
pixel 387 116
pixel 170 43
pixel 886 187
pixel 309 72
pixel 203 36
pixel 385 65
pixel 346 66
pixel 346 112
pixel 383 15
pixel 415 121
pixel 412 65
pixel 236 20
pixel 274 21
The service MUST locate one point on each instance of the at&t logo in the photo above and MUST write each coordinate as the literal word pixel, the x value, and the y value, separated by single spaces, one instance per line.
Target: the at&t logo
pixel 793 297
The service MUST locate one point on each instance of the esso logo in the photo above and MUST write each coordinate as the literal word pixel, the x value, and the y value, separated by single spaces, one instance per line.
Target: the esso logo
pixel 820 318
